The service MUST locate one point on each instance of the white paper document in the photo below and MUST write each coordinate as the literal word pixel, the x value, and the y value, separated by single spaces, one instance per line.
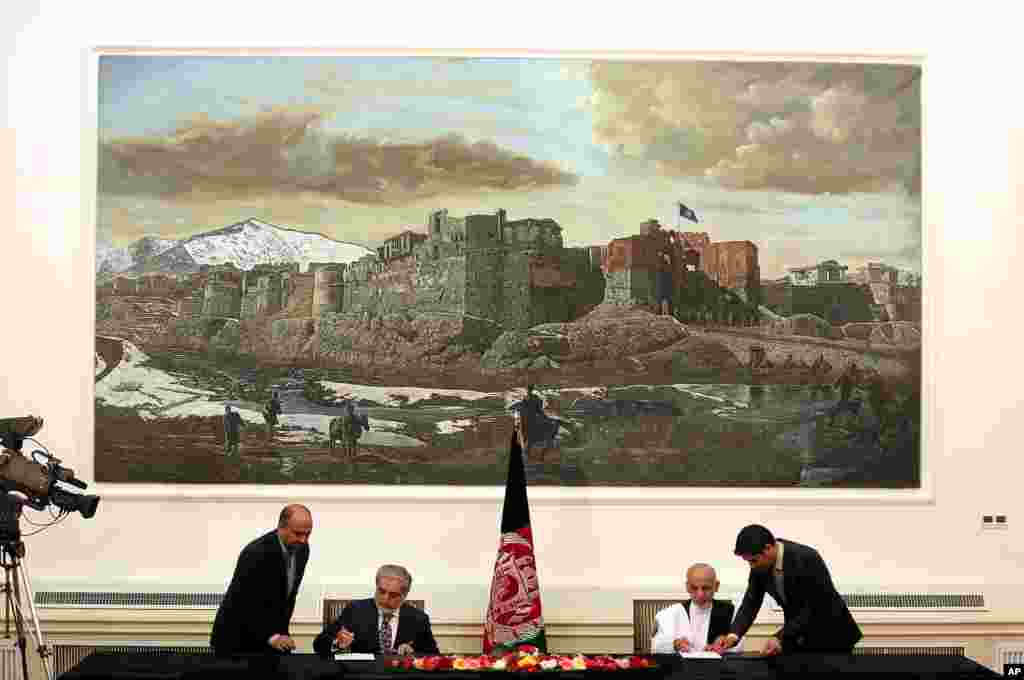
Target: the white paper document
pixel 346 656
pixel 700 655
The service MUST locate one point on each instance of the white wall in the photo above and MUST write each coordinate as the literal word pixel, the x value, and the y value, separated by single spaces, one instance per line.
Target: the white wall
pixel 974 141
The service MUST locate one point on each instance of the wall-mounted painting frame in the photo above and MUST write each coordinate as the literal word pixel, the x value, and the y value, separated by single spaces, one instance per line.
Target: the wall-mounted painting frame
pixel 690 285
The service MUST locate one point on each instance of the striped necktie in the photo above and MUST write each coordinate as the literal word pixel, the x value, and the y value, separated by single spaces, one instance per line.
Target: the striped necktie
pixel 384 634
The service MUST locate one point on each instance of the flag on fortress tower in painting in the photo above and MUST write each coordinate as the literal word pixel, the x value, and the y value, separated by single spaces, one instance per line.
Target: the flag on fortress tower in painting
pixel 514 613
pixel 687 213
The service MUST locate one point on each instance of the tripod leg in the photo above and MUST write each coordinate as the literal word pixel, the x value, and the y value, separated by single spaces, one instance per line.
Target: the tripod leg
pixel 13 595
pixel 7 597
pixel 37 630
pixel 17 574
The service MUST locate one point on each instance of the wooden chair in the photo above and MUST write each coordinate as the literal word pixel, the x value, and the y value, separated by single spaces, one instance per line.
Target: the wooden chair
pixel 643 622
pixel 334 605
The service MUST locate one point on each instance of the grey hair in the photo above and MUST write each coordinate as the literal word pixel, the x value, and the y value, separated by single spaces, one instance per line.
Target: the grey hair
pixel 395 571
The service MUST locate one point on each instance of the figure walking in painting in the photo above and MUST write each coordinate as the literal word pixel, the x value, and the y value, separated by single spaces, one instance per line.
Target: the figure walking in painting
pixel 877 395
pixel 846 384
pixel 339 431
pixel 232 430
pixel 347 429
pixel 820 382
pixel 537 427
pixel 270 413
pixel 360 424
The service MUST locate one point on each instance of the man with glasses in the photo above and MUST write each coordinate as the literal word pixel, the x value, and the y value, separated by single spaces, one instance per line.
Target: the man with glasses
pixel 816 617
pixel 382 624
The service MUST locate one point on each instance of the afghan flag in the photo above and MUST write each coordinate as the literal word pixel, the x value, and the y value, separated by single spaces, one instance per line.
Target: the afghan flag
pixel 686 213
pixel 513 614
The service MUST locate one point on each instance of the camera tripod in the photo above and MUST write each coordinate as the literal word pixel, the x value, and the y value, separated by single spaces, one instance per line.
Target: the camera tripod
pixel 17 588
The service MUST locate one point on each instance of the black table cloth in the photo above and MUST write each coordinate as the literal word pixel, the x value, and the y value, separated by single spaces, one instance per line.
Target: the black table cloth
pixel 172 666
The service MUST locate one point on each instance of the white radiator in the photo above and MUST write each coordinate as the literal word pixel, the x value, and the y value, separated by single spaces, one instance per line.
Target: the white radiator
pixel 905 647
pixel 1008 651
pixel 10 661
pixel 67 654
pixel 81 599
pixel 908 602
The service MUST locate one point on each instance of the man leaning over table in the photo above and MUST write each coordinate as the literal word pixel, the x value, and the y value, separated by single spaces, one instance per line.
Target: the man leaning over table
pixel 816 616
pixel 382 624
pixel 256 611
pixel 694 624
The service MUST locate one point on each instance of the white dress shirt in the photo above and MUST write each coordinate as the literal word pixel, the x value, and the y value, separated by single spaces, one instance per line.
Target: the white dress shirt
pixel 674 623
pixel 380 619
pixel 779 574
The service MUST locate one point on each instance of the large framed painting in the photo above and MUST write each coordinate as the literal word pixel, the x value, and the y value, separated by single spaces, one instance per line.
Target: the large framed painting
pixel 372 269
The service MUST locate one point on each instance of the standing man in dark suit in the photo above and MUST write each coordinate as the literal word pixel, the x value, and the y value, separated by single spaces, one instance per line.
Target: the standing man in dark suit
pixel 693 625
pixel 817 618
pixel 254 615
pixel 382 624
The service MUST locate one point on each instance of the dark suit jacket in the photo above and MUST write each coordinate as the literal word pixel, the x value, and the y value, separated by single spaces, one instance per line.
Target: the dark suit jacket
pixel 361 617
pixel 721 618
pixel 817 618
pixel 256 605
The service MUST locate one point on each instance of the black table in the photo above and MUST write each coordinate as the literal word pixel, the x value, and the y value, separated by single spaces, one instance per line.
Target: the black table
pixel 173 666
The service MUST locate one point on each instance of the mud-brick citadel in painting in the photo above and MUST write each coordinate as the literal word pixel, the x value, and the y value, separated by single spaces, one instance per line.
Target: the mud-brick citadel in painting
pixel 476 277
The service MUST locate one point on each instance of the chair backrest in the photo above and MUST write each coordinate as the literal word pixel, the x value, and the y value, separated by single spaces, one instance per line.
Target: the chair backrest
pixel 643 622
pixel 334 605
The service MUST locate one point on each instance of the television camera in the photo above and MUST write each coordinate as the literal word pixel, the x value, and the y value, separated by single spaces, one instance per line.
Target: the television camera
pixel 35 482
pixel 38 478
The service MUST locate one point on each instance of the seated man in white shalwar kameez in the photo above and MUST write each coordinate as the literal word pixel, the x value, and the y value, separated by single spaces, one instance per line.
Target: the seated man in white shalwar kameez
pixel 695 624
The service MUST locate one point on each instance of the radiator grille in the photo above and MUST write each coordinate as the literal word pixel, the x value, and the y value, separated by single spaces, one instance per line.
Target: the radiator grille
pixel 910 601
pixel 1009 652
pixel 915 601
pixel 10 662
pixel 67 656
pixel 79 599
pixel 910 651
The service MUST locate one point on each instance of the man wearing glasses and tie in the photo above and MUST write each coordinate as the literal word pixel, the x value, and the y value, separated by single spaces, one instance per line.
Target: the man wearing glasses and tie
pixel 382 624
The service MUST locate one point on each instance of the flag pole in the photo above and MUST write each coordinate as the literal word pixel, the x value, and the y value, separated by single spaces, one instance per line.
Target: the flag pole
pixel 514 608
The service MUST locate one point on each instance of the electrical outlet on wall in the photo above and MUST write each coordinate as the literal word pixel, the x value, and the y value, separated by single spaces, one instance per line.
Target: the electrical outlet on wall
pixel 994 522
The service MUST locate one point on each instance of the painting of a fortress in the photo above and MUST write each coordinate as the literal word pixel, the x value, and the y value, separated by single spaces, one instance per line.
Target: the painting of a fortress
pixel 643 352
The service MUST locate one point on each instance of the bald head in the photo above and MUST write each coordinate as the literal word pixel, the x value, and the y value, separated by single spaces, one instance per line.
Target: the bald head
pixel 701 584
pixel 701 570
pixel 288 511
pixel 294 525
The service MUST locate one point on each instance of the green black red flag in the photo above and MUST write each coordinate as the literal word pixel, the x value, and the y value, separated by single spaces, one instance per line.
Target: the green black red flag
pixel 514 612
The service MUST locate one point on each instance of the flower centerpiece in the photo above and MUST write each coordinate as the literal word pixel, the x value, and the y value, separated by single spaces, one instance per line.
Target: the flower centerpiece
pixel 525 659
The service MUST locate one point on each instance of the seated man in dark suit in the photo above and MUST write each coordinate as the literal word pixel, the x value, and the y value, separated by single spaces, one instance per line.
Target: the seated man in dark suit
pixel 816 617
pixel 382 624
pixel 693 625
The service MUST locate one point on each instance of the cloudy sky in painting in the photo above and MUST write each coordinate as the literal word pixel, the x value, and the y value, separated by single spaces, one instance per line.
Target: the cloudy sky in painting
pixel 808 161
